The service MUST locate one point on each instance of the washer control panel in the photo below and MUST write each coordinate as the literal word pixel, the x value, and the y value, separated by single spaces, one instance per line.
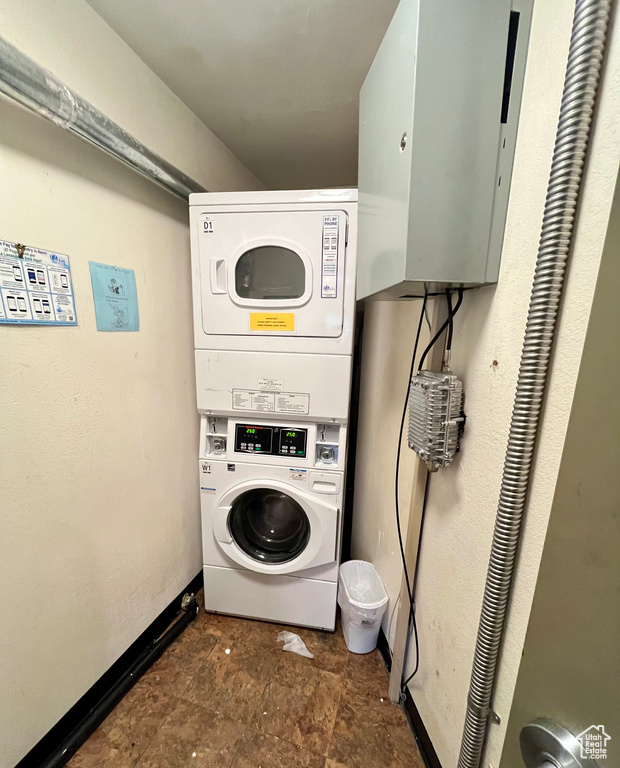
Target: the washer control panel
pixel 272 440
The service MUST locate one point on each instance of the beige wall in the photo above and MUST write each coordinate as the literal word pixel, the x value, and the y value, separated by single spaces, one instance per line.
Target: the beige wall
pixel 99 521
pixel 462 499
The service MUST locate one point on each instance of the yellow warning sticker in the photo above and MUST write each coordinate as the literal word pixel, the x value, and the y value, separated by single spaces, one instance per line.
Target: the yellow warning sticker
pixel 272 321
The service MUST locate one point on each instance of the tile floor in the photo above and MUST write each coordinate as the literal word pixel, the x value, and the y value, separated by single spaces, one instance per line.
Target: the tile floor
pixel 224 695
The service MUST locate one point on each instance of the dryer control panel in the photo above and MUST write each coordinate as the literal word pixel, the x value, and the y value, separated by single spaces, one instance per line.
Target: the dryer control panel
pixel 272 440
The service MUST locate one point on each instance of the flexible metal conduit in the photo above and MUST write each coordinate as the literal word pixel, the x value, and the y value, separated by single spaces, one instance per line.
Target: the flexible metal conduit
pixel 580 86
pixel 24 81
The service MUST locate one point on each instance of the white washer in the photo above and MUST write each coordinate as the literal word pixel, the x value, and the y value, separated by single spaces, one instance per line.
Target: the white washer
pixel 271 532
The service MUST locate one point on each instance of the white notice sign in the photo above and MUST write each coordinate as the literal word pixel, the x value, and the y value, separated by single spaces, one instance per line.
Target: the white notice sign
pixel 270 402
pixel 290 402
pixel 35 286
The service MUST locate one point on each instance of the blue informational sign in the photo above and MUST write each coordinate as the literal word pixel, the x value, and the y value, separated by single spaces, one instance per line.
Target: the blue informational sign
pixel 35 286
pixel 116 298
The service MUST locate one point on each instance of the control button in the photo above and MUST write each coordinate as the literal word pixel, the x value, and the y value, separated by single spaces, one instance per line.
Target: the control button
pixel 258 445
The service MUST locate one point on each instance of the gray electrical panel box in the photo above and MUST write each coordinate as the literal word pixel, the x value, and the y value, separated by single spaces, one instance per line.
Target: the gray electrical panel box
pixel 438 124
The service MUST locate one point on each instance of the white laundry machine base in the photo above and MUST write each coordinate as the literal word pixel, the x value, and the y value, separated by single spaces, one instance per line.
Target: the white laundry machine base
pixel 282 599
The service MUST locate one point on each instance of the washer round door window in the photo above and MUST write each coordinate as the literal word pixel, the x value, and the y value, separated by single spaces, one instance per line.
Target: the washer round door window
pixel 269 525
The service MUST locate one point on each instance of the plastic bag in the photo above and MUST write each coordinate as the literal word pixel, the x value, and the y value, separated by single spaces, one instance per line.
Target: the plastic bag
pixel 294 644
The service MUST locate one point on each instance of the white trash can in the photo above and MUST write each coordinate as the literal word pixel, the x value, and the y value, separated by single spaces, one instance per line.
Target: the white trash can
pixel 363 600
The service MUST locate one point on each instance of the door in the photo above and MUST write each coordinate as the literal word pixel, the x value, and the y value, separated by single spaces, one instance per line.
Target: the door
pixel 270 527
pixel 570 668
pixel 277 273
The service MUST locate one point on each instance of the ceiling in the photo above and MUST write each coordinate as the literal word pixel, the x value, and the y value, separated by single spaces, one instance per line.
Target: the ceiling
pixel 276 80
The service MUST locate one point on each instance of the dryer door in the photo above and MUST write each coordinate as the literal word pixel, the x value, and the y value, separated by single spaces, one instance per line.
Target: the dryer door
pixel 272 528
pixel 272 273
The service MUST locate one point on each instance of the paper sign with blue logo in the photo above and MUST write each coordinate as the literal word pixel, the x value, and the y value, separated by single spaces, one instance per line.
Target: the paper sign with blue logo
pixel 35 286
pixel 115 296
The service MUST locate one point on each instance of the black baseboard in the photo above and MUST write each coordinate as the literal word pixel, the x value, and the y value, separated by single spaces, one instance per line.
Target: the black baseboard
pixel 425 745
pixel 56 747
pixel 384 649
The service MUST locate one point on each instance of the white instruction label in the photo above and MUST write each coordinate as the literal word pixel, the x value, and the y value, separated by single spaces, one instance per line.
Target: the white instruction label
pixel 288 402
pixel 329 263
pixel 35 286
pixel 298 474
pixel 253 400
pixel 272 385
pixel 270 402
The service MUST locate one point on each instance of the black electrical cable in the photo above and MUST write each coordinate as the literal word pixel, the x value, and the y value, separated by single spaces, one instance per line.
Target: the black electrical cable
pixel 438 293
pixel 447 322
pixel 396 483
pixel 406 682
pixel 450 317
pixel 412 616
pixel 400 439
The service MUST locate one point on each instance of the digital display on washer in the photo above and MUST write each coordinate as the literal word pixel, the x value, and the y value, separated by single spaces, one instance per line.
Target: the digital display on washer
pixel 293 442
pixel 276 441
pixel 254 439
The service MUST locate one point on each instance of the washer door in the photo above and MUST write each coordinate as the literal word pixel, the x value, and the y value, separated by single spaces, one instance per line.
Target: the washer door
pixel 273 528
pixel 269 525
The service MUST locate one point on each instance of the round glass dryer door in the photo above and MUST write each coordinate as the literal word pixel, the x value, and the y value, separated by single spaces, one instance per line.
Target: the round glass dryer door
pixel 269 525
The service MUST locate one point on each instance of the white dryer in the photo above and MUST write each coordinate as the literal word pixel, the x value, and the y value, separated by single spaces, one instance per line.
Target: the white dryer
pixel 271 504
pixel 273 277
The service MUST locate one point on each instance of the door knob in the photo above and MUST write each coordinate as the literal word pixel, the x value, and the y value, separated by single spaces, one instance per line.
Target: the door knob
pixel 546 744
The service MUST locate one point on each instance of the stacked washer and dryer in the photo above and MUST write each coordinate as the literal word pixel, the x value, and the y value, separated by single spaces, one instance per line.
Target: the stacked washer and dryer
pixel 274 305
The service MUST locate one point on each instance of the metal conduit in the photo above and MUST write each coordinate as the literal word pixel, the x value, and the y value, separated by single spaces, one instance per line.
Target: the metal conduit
pixel 24 81
pixel 580 87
